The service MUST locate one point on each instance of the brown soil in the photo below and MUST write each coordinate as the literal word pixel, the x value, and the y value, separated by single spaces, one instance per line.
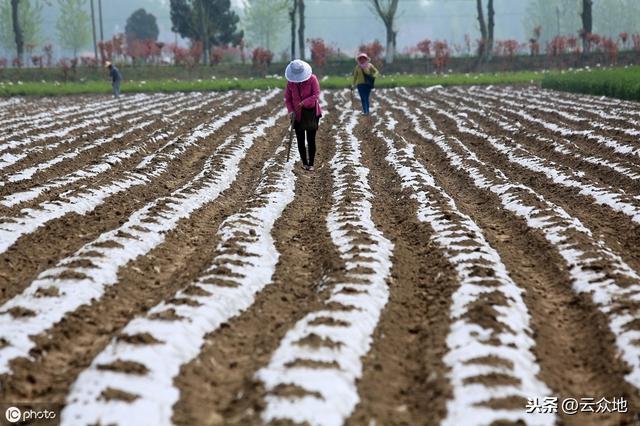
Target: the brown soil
pixel 88 157
pixel 571 364
pixel 37 251
pixel 405 380
pixel 72 344
pixel 529 138
pixel 221 379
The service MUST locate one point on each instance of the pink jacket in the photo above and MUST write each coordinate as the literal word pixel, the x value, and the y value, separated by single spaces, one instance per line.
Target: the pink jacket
pixel 307 92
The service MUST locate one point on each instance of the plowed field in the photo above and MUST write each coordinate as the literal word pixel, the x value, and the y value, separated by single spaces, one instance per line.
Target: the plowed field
pixel 455 256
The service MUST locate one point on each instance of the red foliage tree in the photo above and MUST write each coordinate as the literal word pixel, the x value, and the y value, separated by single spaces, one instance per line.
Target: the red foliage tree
pixel 507 48
pixel 610 47
pixel 573 45
pixel 180 55
pixel 424 47
pixel 195 53
pixel 153 50
pixel 106 50
pixel 147 51
pixel 374 51
pixel 320 52
pixel 557 46
pixel 3 62
pixel 185 56
pixel 442 54
pixel 225 54
pixel 261 56
pixel 216 55
pixel 118 45
pixel 593 41
pixel 135 49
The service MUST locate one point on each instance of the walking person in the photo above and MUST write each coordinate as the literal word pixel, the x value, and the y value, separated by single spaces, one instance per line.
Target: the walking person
pixel 301 97
pixel 116 78
pixel 364 75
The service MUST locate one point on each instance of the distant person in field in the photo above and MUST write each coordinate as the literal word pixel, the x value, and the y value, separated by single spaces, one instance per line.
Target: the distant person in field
pixel 301 97
pixel 364 75
pixel 116 78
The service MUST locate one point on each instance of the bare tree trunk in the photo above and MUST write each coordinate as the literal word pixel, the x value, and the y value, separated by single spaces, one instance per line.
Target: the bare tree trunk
pixel 292 20
pixel 391 45
pixel 491 25
pixel 101 31
pixel 587 24
pixel 17 30
pixel 205 35
pixel 483 31
pixel 387 13
pixel 100 19
pixel 301 43
pixel 93 27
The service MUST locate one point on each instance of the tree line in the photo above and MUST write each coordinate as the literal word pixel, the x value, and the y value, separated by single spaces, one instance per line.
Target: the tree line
pixel 262 20
pixel 214 23
pixel 21 19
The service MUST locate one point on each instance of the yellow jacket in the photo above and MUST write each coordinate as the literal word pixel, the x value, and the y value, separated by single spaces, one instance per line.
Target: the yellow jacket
pixel 358 74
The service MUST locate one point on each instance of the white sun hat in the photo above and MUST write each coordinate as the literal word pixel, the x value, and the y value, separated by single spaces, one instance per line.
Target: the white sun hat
pixel 298 71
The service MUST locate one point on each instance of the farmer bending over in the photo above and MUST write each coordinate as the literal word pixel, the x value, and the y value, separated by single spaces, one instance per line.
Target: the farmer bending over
pixel 301 98
pixel 116 78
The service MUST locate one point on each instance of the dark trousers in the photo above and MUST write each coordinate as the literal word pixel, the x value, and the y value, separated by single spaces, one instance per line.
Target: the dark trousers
pixel 364 90
pixel 311 142
pixel 115 85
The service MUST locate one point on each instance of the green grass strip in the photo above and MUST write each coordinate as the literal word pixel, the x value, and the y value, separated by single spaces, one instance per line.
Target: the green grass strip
pixel 622 83
pixel 334 82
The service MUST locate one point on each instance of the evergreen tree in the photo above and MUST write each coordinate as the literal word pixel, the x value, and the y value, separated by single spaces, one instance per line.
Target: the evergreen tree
pixel 141 26
pixel 73 25
pixel 211 22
